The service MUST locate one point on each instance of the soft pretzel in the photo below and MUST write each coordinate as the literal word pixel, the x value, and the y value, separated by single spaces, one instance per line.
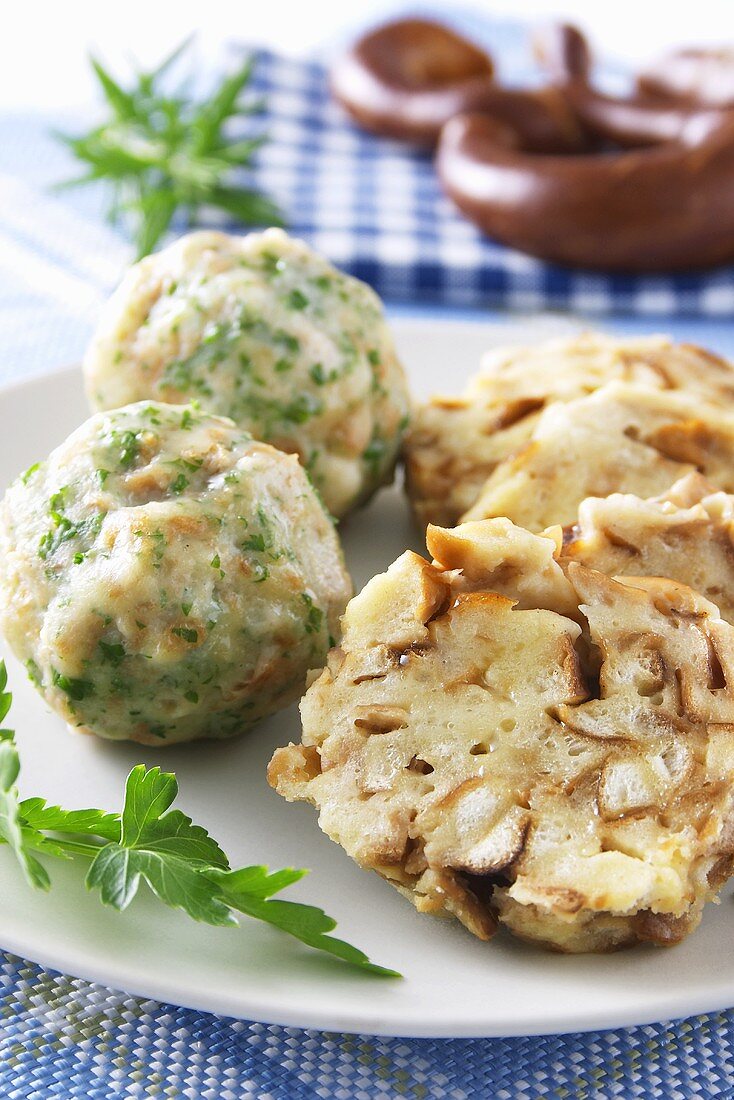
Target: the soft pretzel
pixel 664 203
pixel 408 77
pixel 696 73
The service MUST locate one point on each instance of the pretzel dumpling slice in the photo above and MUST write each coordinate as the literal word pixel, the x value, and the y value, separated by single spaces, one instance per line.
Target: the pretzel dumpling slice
pixel 571 780
pixel 456 442
pixel 623 438
pixel 686 533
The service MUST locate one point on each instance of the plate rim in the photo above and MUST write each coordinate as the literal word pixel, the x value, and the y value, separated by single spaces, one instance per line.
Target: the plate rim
pixel 665 1010
pixel 666 1006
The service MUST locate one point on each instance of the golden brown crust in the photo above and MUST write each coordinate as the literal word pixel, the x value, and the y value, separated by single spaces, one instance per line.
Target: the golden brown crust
pixel 502 762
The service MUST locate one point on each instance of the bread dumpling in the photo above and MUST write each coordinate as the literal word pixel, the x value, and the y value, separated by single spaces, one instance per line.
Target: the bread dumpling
pixel 266 331
pixel 686 533
pixel 622 438
pixel 455 443
pixel 164 577
pixel 559 762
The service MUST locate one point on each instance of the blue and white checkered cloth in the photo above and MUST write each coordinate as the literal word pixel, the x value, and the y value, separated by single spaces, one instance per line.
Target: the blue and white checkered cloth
pixel 376 210
pixel 371 205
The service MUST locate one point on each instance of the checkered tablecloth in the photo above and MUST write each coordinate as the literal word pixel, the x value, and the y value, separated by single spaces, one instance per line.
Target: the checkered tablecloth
pixel 374 209
pixel 369 204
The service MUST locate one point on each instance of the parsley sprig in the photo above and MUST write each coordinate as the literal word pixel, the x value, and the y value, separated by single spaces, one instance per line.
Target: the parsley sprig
pixel 150 842
pixel 164 152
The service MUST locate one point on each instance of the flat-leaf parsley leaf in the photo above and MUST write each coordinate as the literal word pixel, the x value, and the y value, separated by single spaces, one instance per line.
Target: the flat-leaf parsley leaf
pixel 151 843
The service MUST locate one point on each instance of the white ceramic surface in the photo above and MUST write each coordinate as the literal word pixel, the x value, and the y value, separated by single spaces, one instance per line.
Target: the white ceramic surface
pixel 453 985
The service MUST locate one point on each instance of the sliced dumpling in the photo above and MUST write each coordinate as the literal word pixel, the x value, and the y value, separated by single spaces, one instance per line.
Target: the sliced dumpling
pixel 686 534
pixel 622 438
pixel 561 765
pixel 456 442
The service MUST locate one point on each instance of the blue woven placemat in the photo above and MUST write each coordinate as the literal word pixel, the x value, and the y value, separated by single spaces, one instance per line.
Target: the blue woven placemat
pixel 377 210
pixel 67 1038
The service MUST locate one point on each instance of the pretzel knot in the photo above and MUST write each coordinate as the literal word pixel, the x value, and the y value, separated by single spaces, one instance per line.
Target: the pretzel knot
pixel 564 172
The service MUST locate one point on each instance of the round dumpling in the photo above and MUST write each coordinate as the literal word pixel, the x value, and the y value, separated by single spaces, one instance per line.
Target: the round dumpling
pixel 164 577
pixel 560 762
pixel 267 332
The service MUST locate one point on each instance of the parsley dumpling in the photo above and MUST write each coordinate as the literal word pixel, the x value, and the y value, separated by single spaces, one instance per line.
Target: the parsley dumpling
pixel 165 577
pixel 264 330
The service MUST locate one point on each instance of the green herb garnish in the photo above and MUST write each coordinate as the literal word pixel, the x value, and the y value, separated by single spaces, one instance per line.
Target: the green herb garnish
pixel 149 842
pixel 216 563
pixel 300 409
pixel 374 454
pixel 255 541
pixel 75 689
pixel 112 652
pixel 314 614
pixel 163 152
pixel 286 340
pixel 64 530
pixel 260 572
pixel 125 444
pixel 297 299
pixel 26 476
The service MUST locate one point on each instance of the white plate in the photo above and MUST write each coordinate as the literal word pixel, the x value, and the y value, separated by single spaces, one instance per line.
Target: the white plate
pixel 454 985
